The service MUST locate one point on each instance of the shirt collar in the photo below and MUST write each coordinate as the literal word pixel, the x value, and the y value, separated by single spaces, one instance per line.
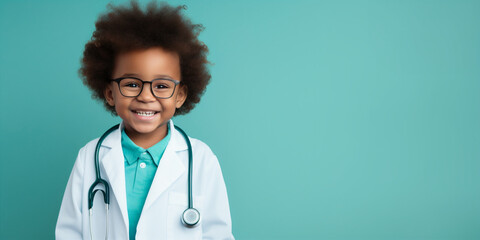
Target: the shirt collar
pixel 132 152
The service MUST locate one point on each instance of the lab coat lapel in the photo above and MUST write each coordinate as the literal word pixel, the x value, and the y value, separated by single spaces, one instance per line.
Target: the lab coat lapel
pixel 113 166
pixel 169 168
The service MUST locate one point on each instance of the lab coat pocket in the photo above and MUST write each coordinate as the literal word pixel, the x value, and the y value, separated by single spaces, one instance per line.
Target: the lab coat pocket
pixel 177 204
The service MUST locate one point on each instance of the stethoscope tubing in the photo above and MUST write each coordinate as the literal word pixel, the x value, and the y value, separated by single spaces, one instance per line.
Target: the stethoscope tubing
pixel 190 166
pixel 99 179
pixel 106 193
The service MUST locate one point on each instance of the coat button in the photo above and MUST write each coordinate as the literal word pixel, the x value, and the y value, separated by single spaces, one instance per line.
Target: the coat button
pixel 143 165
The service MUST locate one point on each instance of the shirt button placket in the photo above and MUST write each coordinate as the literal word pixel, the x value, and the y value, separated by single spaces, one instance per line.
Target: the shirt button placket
pixel 143 157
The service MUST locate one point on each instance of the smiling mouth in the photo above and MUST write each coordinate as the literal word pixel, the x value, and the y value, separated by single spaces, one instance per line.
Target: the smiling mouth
pixel 145 113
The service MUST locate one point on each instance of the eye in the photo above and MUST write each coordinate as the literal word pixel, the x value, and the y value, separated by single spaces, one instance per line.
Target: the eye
pixel 133 85
pixel 160 86
pixel 130 83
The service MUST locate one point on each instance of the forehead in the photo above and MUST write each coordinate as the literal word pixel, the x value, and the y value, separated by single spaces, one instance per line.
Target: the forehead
pixel 147 63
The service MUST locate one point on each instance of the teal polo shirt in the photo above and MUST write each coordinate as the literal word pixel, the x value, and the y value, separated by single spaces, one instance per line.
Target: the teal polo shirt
pixel 140 168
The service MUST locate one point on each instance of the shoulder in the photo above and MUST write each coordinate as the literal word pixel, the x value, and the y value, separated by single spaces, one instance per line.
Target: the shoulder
pixel 91 143
pixel 201 147
pixel 198 147
pixel 90 146
pixel 111 139
pixel 202 151
pixel 204 157
pixel 85 152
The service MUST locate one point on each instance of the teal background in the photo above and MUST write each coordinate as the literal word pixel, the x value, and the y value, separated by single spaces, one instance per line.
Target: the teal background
pixel 331 119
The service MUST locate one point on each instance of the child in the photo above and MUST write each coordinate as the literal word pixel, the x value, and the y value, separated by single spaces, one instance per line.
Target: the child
pixel 146 66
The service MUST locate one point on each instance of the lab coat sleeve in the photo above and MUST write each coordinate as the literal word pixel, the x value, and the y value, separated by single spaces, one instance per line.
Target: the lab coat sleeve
pixel 69 222
pixel 217 224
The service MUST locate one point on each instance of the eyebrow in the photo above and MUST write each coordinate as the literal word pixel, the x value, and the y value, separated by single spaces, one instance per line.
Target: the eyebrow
pixel 138 75
pixel 130 75
pixel 162 76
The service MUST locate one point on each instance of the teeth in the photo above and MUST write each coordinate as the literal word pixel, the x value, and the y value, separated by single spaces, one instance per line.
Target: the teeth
pixel 147 114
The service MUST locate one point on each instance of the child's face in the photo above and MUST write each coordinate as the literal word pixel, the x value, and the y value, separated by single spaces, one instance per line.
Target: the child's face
pixel 136 112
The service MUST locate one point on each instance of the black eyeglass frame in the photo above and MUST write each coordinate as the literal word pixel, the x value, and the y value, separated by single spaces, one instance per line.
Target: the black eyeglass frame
pixel 117 80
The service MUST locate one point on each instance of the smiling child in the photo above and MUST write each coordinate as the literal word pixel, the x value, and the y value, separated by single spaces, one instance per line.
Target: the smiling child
pixel 147 66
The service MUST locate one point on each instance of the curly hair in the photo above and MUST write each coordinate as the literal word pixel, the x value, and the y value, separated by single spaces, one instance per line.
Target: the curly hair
pixel 128 28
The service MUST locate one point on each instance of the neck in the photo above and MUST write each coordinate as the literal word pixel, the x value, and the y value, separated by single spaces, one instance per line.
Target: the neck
pixel 146 140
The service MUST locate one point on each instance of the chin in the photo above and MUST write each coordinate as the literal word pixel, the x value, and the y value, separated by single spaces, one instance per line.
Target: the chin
pixel 145 128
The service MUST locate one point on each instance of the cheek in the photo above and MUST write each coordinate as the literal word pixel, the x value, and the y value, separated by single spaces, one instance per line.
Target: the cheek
pixel 121 104
pixel 118 109
pixel 168 106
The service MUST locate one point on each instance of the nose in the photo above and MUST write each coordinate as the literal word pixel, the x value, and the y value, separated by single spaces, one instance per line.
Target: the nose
pixel 146 95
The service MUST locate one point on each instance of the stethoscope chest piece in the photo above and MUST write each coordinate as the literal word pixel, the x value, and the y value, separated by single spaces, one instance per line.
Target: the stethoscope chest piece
pixel 190 217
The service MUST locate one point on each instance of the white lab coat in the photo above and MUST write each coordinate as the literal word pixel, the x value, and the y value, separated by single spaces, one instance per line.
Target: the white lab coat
pixel 166 200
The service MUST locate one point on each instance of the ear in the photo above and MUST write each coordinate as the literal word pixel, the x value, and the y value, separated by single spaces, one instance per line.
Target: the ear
pixel 108 94
pixel 181 96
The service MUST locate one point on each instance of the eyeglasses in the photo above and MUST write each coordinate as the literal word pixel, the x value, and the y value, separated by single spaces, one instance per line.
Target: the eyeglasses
pixel 160 87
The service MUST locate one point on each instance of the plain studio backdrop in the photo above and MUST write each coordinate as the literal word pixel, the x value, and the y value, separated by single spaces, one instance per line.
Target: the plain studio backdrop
pixel 330 119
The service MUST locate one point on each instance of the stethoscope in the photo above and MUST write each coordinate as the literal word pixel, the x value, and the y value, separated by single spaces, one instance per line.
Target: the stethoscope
pixel 190 216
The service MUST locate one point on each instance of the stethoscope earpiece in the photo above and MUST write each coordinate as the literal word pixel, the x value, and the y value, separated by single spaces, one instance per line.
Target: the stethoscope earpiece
pixel 190 217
